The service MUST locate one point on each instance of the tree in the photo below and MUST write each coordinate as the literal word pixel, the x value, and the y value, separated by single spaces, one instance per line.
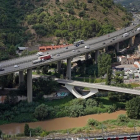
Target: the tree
pixel 0 133
pixel 3 81
pixel 133 108
pixel 82 14
pixel 90 79
pixel 118 78
pixel 104 60
pixel 109 74
pixel 38 70
pixel 41 112
pixel 26 130
pixel 47 86
pixel 44 69
pixel 10 80
pixel 12 50
pixel 84 6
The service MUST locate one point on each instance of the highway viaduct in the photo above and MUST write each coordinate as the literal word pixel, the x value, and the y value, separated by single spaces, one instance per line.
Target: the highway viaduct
pixel 94 44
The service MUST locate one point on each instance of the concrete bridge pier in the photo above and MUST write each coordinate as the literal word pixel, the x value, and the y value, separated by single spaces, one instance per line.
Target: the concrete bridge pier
pixel 21 77
pixel 96 56
pixel 68 74
pixel 105 49
pixel 86 56
pixel 130 42
pixel 58 66
pixel 29 85
pixel 117 47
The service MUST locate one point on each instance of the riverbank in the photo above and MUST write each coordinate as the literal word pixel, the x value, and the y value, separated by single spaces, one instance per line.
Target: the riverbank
pixel 60 123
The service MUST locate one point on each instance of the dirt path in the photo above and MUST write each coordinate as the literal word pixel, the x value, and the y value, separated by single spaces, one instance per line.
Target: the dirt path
pixel 59 123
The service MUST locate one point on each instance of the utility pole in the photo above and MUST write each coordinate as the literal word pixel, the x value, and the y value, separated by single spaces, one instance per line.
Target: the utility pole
pixel 134 128
pixel 102 132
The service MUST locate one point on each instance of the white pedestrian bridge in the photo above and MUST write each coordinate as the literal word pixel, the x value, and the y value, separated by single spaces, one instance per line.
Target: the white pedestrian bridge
pixel 94 88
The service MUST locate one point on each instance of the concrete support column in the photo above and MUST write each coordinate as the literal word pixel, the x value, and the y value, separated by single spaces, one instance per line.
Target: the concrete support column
pixel 96 56
pixel 105 49
pixel 117 47
pixel 58 66
pixel 86 56
pixel 21 77
pixel 68 75
pixel 29 85
pixel 130 42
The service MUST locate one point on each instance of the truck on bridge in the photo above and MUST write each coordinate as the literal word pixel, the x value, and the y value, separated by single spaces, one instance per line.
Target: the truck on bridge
pixel 42 58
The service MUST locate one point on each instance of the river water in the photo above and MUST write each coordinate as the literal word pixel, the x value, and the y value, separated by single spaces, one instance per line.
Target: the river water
pixel 59 123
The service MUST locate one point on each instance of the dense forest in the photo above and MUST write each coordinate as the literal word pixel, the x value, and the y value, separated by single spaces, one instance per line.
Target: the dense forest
pixel 29 22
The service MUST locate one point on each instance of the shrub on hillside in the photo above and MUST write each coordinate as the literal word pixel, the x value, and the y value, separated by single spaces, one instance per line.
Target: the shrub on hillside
pixel 111 108
pixel 130 124
pixel 26 130
pixel 91 103
pixel 41 112
pixel 24 117
pixel 122 118
pixel 93 122
pixel 76 110
pixel 133 108
pixel 78 102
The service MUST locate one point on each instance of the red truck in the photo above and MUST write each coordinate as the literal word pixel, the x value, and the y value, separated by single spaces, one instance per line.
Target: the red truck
pixel 45 57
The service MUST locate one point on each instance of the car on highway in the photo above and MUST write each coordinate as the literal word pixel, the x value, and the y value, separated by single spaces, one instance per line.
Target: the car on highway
pixel 39 53
pixel 114 38
pixel 86 47
pixel 16 66
pixel 66 47
pixel 104 43
pixel 73 50
pixel 138 29
pixel 1 69
pixel 57 54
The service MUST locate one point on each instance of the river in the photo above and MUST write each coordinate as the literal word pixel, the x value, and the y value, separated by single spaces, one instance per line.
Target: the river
pixel 59 123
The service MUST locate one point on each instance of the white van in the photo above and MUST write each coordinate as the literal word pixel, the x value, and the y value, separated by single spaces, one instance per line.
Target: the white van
pixel 39 53
pixel 87 47
pixel 125 34
pixel 138 29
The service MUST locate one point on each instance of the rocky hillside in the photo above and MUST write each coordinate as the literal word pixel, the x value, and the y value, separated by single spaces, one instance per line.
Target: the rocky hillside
pixel 29 22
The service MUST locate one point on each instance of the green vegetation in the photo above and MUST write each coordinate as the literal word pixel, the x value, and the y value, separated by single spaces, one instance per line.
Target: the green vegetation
pixel 41 112
pixel 26 130
pixel 104 61
pixel 133 108
pixel 24 22
pixel 44 109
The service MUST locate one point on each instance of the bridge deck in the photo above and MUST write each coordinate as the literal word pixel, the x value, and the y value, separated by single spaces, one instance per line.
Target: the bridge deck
pixel 97 86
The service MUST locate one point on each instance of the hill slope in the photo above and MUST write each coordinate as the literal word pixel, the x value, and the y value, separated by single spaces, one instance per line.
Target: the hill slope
pixel 28 22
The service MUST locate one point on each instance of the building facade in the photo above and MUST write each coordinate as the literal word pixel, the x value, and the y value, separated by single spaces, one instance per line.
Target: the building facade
pixel 47 48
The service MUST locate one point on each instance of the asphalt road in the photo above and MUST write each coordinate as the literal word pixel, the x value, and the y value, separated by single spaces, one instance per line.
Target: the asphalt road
pixel 95 44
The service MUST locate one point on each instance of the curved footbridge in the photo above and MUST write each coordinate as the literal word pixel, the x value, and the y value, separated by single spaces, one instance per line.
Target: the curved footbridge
pixel 94 88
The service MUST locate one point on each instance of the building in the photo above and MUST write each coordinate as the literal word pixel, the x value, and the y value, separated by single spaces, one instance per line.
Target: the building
pixel 137 64
pixel 125 60
pixel 20 49
pixel 46 48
